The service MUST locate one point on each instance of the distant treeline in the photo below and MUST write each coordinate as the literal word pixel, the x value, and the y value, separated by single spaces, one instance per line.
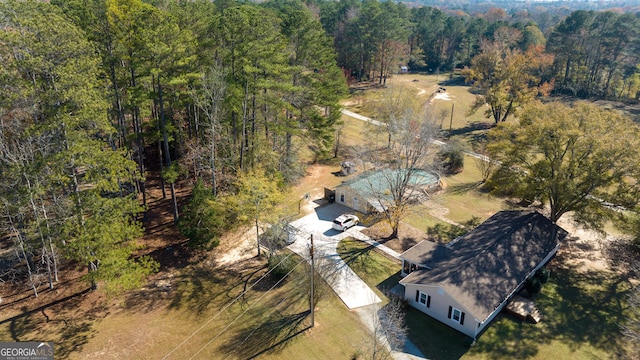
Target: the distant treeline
pixel 552 6
pixel 596 53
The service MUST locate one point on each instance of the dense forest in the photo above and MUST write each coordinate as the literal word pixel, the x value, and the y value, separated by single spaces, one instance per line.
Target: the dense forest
pixel 96 93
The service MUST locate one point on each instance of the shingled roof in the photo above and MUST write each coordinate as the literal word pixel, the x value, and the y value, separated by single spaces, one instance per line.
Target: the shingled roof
pixel 482 268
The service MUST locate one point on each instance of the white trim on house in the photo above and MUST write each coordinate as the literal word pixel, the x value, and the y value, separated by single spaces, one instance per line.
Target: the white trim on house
pixel 446 270
pixel 457 315
pixel 424 299
pixel 440 301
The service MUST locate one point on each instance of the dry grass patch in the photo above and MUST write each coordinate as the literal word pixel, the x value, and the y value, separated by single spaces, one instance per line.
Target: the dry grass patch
pixel 464 197
pixel 200 311
pixel 408 235
pixel 209 315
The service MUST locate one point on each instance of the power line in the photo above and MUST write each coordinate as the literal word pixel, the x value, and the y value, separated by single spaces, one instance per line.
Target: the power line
pixel 245 311
pixel 255 329
pixel 226 307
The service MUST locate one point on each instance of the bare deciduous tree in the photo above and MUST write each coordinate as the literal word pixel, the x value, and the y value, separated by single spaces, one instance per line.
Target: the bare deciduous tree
pixel 388 331
pixel 484 162
pixel 392 105
pixel 401 166
pixel 209 100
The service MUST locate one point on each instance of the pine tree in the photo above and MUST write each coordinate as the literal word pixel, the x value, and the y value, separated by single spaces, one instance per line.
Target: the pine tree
pixel 67 176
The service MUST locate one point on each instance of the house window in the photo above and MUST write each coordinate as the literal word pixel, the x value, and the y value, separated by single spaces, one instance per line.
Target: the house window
pixel 456 315
pixel 423 298
pixel 355 202
pixel 342 198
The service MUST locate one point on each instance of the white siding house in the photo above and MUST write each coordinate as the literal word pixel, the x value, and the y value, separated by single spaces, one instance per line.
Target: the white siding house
pixel 467 282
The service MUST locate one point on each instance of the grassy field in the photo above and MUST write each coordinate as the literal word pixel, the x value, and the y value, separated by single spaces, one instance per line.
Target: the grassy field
pixel 463 124
pixel 581 312
pixel 199 318
pixel 464 197
pixel 581 316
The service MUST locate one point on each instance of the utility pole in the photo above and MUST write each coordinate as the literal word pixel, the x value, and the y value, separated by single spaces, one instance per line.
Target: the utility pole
pixel 312 276
pixel 451 121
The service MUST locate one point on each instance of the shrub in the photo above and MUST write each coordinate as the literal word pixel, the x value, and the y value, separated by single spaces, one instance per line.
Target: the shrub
pixel 445 232
pixel 280 265
pixel 204 219
pixel 452 157
pixel 534 283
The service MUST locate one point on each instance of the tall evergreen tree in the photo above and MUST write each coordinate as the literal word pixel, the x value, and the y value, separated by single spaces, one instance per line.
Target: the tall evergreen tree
pixel 71 178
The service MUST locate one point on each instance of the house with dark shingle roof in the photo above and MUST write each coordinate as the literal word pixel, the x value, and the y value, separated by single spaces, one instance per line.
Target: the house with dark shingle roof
pixel 465 284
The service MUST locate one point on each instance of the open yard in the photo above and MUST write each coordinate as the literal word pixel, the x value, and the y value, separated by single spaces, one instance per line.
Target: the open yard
pixel 582 305
pixel 201 312
pixel 422 89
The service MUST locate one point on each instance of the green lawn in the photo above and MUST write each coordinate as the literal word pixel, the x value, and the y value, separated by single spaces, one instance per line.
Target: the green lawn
pixel 419 218
pixel 464 196
pixel 581 313
pixel 463 125
pixel 378 271
pixel 462 199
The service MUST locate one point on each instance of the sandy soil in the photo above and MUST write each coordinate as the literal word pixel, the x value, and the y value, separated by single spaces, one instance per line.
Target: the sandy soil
pixel 442 96
pixel 241 245
pixel 235 247
pixel 586 249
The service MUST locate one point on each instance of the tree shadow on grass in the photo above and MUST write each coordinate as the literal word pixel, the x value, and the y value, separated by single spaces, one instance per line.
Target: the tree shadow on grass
pixel 470 128
pixel 57 322
pixel 622 256
pixel 268 337
pixel 389 282
pixel 588 307
pixel 199 288
pixel 464 188
pixel 579 309
pixel 434 339
pixel 408 242
pixel 357 256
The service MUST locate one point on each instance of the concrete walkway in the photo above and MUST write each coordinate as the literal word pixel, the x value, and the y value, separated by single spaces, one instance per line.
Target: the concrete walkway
pixel 352 290
pixel 347 284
